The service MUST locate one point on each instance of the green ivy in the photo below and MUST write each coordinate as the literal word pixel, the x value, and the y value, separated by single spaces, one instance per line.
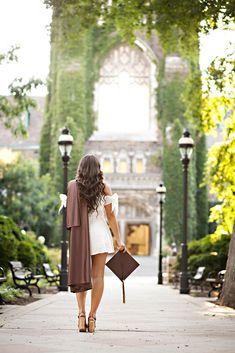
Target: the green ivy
pixel 77 54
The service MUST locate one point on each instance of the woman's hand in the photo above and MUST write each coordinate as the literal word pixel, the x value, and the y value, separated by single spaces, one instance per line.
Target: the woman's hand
pixel 121 247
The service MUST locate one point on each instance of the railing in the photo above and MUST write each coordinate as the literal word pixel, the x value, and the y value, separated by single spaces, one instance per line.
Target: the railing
pixel 132 181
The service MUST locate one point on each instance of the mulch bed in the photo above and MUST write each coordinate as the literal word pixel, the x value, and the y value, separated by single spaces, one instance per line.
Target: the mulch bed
pixel 35 296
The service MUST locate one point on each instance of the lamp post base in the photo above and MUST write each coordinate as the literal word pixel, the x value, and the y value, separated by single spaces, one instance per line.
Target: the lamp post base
pixel 184 284
pixel 160 281
pixel 63 287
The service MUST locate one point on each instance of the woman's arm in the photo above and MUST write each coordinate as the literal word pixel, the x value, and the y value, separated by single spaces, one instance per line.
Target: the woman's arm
pixel 112 220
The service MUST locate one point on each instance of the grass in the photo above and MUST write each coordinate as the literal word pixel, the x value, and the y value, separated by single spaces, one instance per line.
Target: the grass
pixel 54 255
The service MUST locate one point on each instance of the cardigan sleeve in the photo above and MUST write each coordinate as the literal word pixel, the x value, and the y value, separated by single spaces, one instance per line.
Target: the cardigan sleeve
pixel 73 206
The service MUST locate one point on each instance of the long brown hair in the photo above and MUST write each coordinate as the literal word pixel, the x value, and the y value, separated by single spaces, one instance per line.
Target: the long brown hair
pixel 90 181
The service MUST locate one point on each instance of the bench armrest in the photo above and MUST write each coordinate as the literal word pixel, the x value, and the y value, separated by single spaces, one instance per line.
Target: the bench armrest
pixel 212 274
pixel 2 272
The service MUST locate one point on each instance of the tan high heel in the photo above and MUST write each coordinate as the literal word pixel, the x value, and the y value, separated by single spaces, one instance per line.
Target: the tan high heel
pixel 82 322
pixel 91 324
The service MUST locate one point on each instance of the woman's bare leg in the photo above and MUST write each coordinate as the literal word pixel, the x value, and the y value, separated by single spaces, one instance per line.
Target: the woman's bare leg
pixel 97 274
pixel 81 300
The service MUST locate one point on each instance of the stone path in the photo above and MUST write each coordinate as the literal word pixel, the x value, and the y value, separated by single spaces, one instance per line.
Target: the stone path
pixel 153 319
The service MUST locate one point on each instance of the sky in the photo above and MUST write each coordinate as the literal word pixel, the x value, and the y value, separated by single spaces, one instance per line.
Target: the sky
pixel 25 23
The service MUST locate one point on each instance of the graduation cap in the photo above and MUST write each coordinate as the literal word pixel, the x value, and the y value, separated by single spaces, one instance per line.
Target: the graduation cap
pixel 122 264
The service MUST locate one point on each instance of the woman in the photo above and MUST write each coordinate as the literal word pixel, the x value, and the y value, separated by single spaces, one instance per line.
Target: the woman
pixel 102 209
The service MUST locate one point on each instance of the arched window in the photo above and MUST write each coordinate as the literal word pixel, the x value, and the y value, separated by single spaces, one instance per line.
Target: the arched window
pixel 122 93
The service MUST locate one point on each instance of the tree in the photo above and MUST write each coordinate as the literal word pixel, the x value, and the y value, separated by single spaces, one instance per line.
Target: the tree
pixel 227 295
pixel 220 109
pixel 11 108
pixel 28 199
pixel 127 16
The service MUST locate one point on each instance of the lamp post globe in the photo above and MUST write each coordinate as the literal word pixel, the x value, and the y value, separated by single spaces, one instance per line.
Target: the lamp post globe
pixel 186 145
pixel 65 143
pixel 161 191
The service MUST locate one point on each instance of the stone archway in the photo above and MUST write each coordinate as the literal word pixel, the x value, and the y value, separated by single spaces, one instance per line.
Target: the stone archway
pixel 125 99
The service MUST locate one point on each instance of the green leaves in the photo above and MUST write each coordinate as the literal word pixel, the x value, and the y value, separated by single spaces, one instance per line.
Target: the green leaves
pixel 221 177
pixel 218 94
pixel 210 251
pixel 166 16
pixel 29 200
pixel 219 110
pixel 10 55
pixel 12 107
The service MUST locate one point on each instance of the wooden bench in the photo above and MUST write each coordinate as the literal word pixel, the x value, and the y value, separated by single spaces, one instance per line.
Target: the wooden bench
pixel 198 279
pixel 2 280
pixel 50 275
pixel 24 274
pixel 216 282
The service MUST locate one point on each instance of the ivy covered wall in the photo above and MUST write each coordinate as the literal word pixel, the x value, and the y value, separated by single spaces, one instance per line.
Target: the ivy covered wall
pixel 70 96
pixel 179 102
pixel 76 56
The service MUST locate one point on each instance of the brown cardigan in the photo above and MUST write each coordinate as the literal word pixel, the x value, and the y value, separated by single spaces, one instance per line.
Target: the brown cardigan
pixel 79 269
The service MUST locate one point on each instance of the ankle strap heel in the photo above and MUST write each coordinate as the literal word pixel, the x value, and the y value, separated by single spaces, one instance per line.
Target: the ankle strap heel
pixel 82 322
pixel 91 324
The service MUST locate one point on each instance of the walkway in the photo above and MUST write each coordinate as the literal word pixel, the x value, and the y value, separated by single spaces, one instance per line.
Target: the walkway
pixel 153 319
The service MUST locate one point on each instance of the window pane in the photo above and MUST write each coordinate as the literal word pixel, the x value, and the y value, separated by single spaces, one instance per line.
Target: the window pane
pixel 139 166
pixel 123 166
pixel 107 166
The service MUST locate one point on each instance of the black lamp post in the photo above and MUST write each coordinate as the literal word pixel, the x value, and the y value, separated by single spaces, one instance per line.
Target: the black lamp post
pixel 186 144
pixel 161 191
pixel 65 143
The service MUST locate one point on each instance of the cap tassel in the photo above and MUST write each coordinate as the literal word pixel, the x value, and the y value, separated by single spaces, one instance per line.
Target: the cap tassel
pixel 123 292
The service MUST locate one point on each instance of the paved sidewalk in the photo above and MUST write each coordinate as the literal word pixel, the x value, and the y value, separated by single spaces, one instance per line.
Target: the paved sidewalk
pixel 153 319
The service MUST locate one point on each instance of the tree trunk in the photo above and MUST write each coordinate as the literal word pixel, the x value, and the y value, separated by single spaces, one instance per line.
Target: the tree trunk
pixel 228 291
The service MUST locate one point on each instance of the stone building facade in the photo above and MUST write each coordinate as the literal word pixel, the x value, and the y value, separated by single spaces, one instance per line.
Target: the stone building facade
pixel 127 140
pixel 130 168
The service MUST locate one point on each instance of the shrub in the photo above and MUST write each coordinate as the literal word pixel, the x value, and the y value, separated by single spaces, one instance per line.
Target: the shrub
pixel 15 245
pixel 26 254
pixel 8 241
pixel 211 261
pixel 210 251
pixel 39 250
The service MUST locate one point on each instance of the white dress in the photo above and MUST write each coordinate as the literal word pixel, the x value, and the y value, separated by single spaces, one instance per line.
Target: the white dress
pixel 100 235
